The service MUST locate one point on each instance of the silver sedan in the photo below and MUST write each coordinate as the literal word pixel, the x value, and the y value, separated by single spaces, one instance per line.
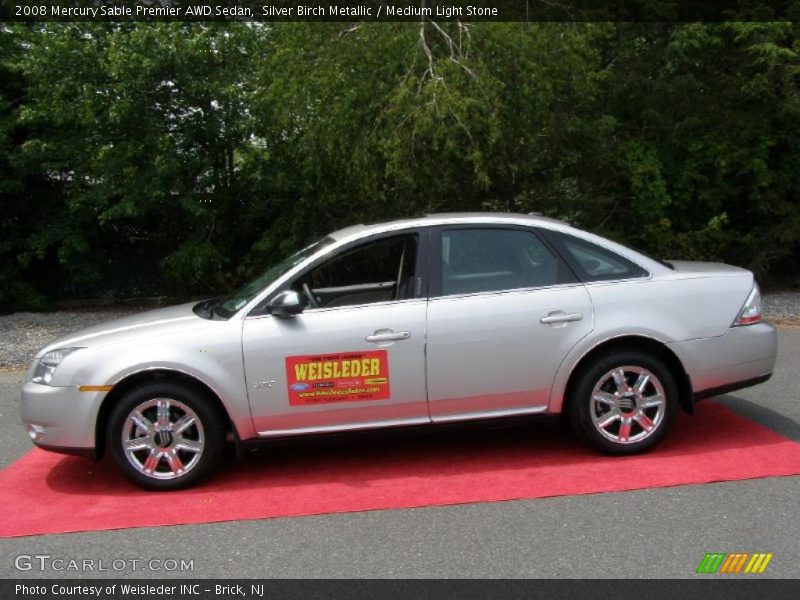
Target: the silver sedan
pixel 446 318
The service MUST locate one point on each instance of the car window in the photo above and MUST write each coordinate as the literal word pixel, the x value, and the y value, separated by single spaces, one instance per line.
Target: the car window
pixel 374 272
pixel 484 260
pixel 228 306
pixel 592 262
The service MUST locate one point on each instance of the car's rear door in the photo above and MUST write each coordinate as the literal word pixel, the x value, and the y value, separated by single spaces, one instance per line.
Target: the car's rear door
pixel 355 357
pixel 504 311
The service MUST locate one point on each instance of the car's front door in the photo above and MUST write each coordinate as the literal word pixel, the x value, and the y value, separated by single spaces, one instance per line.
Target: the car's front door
pixel 503 313
pixel 355 357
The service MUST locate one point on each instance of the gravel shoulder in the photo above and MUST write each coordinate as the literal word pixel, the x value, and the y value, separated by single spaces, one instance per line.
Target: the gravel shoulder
pixel 23 333
pixel 782 307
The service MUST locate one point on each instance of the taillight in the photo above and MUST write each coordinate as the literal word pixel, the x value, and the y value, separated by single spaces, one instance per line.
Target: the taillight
pixel 751 311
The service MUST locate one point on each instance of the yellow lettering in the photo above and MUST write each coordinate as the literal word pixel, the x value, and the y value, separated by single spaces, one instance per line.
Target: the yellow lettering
pixel 300 371
pixel 310 371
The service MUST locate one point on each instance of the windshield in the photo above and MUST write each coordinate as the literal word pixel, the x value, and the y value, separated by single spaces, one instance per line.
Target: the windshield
pixel 231 304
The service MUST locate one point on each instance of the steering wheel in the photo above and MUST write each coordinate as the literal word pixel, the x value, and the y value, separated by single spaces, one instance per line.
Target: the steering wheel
pixel 312 300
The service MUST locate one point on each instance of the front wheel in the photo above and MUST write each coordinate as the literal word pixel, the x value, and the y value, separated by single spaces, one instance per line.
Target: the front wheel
pixel 165 436
pixel 624 402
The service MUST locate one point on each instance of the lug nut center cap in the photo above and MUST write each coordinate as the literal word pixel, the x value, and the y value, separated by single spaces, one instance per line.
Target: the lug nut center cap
pixel 627 404
pixel 162 438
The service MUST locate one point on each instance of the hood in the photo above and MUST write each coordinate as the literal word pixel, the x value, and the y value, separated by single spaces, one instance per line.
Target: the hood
pixel 159 321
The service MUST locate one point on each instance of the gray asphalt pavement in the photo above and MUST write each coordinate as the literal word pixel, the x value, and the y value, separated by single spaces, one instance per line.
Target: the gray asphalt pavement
pixel 649 533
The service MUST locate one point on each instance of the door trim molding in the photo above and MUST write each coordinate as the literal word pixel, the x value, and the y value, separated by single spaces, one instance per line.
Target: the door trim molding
pixel 345 427
pixel 490 414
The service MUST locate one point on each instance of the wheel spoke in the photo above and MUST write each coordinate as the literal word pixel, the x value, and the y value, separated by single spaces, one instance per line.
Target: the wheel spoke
pixel 624 430
pixel 151 464
pixel 641 382
pixel 193 446
pixel 644 421
pixel 142 422
pixel 184 423
pixel 619 380
pixel 604 398
pixel 651 401
pixel 607 419
pixel 135 444
pixel 162 413
pixel 175 463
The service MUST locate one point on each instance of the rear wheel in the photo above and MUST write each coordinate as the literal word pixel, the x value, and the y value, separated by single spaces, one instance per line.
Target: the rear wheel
pixel 165 436
pixel 624 402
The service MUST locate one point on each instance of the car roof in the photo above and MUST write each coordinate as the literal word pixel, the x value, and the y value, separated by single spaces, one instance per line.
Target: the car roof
pixel 446 219
pixel 356 232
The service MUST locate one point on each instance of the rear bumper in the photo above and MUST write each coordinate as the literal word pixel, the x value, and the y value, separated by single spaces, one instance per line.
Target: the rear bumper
pixel 744 356
pixel 730 387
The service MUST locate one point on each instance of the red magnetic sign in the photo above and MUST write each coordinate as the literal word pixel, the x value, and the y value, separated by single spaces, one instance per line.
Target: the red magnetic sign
pixel 342 377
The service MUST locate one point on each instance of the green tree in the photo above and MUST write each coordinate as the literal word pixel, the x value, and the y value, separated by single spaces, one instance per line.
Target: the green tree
pixel 182 158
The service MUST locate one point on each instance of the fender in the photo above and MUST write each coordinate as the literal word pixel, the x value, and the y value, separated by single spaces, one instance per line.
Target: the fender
pixel 582 349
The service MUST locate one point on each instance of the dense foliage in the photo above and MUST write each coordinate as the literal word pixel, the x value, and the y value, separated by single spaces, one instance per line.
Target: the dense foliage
pixel 144 159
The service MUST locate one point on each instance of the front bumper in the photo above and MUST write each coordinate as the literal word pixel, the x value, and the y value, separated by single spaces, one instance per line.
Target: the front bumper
pixel 742 357
pixel 61 419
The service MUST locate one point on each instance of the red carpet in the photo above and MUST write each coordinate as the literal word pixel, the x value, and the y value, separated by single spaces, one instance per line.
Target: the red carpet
pixel 46 493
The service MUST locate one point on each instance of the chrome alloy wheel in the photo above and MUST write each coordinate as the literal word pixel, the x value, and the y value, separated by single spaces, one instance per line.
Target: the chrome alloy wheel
pixel 163 438
pixel 628 404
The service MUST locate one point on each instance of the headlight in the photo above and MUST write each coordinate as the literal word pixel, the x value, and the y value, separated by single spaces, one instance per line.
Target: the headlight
pixel 46 366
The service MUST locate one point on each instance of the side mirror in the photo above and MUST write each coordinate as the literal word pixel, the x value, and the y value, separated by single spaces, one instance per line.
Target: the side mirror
pixel 286 304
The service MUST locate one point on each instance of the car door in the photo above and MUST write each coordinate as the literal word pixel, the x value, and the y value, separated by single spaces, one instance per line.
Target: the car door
pixel 355 357
pixel 504 311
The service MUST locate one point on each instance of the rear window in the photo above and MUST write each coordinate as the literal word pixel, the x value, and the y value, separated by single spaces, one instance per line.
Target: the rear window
pixel 592 262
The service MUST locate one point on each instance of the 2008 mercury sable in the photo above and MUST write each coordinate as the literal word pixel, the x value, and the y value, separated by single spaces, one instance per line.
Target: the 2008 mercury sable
pixel 439 319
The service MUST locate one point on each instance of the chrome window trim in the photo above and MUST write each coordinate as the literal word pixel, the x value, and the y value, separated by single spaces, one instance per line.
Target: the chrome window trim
pixel 383 303
pixel 524 290
pixel 425 223
pixel 641 279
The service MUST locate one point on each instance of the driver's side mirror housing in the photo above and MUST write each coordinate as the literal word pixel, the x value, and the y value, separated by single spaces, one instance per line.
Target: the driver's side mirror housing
pixel 286 304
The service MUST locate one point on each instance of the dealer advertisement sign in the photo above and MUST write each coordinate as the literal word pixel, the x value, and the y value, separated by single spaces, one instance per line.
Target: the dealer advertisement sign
pixel 345 377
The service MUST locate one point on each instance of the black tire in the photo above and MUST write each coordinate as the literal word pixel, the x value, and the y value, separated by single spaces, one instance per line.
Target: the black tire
pixel 206 432
pixel 583 408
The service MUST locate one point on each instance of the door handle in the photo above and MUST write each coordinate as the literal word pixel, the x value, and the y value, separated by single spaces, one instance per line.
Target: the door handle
pixel 560 316
pixel 386 335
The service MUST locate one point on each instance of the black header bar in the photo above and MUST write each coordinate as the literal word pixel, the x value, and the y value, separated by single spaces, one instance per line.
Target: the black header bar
pixel 399 10
pixel 708 588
